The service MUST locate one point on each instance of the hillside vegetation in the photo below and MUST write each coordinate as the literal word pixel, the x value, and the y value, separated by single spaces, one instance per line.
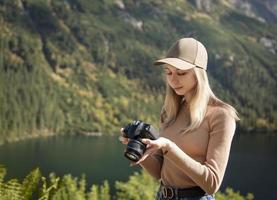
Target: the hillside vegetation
pixel 139 186
pixel 79 66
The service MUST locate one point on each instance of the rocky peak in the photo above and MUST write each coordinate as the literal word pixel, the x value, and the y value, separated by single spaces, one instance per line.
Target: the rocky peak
pixel 261 10
pixel 246 7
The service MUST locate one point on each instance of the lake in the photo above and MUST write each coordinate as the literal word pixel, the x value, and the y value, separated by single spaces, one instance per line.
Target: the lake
pixel 251 168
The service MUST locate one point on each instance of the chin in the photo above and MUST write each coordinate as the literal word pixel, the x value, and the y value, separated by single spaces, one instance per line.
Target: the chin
pixel 180 93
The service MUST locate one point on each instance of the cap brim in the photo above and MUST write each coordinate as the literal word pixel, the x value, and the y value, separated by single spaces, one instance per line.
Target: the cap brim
pixel 175 62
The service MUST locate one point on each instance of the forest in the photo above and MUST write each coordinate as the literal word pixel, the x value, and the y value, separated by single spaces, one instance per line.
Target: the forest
pixel 86 67
pixel 72 66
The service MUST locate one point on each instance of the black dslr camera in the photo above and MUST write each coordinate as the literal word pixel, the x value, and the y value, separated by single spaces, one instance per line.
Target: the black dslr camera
pixel 136 131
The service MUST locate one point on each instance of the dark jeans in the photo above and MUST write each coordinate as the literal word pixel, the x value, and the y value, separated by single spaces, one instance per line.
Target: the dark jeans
pixel 206 197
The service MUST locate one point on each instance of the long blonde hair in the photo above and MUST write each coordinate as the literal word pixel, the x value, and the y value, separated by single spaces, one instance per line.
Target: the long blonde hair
pixel 202 96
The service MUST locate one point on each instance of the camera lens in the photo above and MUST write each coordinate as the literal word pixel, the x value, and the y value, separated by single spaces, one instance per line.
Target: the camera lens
pixel 132 156
pixel 135 149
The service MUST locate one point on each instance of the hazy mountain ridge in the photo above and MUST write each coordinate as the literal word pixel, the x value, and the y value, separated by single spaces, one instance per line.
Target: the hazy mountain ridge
pixel 98 56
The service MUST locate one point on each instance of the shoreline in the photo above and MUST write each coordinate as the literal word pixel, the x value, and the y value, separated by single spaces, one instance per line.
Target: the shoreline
pixel 45 133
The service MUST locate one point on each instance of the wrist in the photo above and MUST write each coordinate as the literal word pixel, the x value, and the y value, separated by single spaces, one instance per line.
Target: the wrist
pixel 167 146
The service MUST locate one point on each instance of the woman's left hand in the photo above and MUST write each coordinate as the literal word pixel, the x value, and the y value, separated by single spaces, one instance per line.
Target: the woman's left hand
pixel 153 146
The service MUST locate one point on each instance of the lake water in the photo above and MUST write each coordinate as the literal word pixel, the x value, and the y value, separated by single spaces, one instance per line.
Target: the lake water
pixel 252 165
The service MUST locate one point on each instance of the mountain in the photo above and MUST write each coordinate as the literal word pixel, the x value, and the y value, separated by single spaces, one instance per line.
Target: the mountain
pixel 80 66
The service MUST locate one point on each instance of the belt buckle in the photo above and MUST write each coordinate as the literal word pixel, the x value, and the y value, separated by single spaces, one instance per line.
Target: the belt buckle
pixel 166 194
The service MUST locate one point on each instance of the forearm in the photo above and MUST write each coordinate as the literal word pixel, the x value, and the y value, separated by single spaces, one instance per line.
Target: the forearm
pixel 153 166
pixel 202 174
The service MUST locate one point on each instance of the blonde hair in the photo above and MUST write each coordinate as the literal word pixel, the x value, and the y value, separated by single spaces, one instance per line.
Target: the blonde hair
pixel 202 96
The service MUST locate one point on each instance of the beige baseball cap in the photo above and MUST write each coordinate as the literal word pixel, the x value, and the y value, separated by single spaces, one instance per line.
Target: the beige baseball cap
pixel 185 54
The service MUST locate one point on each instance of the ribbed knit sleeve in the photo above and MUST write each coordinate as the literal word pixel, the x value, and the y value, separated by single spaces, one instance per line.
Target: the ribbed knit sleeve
pixel 208 175
pixel 153 164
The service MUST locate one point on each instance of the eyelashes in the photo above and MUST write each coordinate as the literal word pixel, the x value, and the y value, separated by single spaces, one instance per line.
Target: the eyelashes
pixel 182 73
pixel 178 73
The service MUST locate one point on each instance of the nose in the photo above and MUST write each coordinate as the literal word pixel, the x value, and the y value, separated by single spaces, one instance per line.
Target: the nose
pixel 174 79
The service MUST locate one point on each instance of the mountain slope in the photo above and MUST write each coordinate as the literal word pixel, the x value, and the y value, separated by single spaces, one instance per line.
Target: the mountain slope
pixel 86 66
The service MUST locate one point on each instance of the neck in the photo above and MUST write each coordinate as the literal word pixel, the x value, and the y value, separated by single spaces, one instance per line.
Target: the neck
pixel 188 97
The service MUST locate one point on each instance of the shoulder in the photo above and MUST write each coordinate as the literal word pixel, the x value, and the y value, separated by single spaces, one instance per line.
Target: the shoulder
pixel 217 111
pixel 219 116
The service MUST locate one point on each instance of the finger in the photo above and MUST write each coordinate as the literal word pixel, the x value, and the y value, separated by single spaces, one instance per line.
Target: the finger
pixel 149 151
pixel 149 143
pixel 122 131
pixel 142 159
pixel 146 154
pixel 146 141
pixel 123 140
pixel 133 164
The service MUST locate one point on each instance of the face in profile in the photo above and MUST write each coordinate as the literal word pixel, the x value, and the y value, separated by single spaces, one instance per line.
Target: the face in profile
pixel 181 81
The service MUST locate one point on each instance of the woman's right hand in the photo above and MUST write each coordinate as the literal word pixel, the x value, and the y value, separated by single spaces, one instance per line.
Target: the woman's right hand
pixel 122 139
pixel 125 141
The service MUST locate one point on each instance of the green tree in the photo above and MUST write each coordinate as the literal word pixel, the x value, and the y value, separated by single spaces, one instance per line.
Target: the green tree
pixel 139 186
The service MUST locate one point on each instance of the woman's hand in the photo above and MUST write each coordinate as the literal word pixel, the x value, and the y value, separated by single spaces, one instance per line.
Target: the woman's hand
pixel 122 139
pixel 153 146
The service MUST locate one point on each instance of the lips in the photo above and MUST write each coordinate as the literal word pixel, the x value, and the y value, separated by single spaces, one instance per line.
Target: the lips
pixel 177 88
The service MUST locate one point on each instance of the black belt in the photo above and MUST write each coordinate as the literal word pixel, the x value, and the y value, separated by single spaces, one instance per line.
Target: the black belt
pixel 171 193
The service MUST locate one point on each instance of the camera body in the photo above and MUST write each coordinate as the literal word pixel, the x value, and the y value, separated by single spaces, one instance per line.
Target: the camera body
pixel 136 131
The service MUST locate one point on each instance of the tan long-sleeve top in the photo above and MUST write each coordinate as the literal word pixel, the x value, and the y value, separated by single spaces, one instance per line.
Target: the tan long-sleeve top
pixel 197 158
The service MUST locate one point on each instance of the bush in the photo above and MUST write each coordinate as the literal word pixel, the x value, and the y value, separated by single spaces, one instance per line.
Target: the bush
pixel 139 186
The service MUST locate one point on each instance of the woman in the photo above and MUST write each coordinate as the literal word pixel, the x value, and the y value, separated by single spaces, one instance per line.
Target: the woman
pixel 191 154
